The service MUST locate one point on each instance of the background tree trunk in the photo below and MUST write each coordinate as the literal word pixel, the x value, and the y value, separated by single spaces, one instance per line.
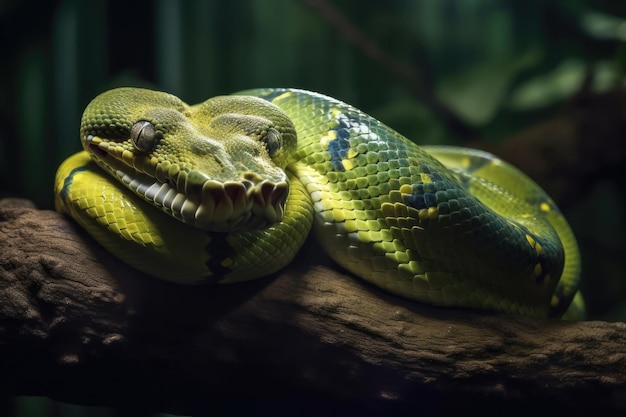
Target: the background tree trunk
pixel 79 326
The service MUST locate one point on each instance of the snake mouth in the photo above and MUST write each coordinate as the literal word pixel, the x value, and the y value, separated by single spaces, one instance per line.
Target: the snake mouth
pixel 95 150
pixel 246 203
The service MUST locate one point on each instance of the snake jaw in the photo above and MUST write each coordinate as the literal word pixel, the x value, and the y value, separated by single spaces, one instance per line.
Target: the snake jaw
pixel 193 197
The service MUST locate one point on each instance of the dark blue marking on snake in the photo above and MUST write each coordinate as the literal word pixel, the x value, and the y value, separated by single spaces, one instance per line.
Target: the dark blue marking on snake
pixel 339 147
pixel 435 176
pixel 429 194
pixel 219 250
pixel 67 182
pixel 421 200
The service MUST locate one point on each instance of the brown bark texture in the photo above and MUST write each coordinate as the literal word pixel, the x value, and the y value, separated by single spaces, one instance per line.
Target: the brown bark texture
pixel 79 326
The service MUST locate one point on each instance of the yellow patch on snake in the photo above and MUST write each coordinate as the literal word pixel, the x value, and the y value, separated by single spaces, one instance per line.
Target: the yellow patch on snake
pixel 406 189
pixel 283 96
pixel 554 301
pixel 330 136
pixel 429 213
pixel 545 207
pixel 426 179
pixel 347 164
pixel 335 112
pixel 546 280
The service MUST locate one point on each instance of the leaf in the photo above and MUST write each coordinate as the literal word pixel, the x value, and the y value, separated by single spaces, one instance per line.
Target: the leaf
pixel 477 93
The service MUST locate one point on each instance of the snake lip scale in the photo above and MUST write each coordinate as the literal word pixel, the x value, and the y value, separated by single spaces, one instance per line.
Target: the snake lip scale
pixel 228 190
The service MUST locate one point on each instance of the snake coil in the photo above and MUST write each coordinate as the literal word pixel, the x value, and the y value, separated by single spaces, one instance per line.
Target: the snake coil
pixel 227 190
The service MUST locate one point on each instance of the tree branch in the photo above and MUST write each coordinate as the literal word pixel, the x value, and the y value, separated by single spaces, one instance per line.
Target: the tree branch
pixel 79 326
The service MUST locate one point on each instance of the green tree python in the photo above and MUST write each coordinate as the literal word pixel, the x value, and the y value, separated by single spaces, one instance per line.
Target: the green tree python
pixel 228 190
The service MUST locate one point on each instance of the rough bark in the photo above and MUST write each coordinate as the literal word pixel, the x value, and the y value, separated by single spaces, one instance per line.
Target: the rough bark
pixel 77 325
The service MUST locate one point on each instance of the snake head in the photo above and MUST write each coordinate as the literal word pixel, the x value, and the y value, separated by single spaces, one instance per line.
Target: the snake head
pixel 218 165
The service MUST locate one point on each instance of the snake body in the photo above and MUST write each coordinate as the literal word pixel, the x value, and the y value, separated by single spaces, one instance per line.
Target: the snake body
pixel 227 190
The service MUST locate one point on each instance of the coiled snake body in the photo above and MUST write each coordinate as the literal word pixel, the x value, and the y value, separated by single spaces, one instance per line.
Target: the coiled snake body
pixel 227 190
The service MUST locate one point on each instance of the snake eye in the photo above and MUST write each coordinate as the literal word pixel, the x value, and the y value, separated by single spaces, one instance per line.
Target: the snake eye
pixel 272 141
pixel 143 136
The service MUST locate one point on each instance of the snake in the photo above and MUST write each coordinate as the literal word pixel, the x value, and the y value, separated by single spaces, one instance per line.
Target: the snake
pixel 228 190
